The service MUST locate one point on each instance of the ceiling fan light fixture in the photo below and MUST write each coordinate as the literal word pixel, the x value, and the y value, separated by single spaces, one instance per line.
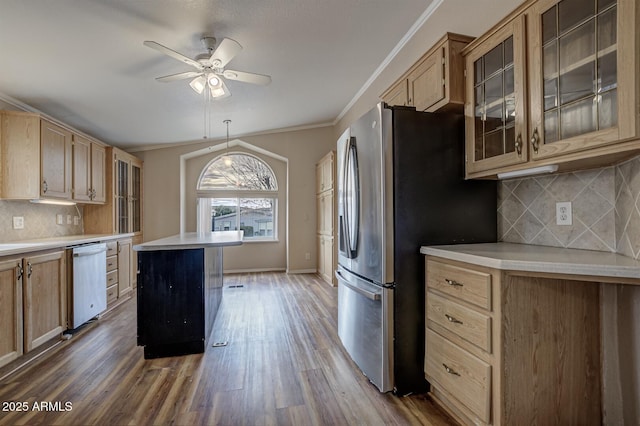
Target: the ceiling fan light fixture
pixel 198 84
pixel 213 80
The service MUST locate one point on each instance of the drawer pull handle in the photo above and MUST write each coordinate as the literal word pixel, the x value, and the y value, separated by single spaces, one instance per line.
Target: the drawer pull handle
pixel 450 370
pixel 452 319
pixel 453 283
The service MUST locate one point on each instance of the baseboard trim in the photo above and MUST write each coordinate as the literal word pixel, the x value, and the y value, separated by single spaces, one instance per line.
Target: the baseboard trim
pixel 245 271
pixel 302 271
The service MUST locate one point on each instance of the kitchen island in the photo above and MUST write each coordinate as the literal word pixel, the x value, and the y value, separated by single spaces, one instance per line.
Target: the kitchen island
pixel 180 290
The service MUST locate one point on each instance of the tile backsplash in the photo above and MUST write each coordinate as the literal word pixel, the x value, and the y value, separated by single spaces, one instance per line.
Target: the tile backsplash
pixel 605 205
pixel 39 220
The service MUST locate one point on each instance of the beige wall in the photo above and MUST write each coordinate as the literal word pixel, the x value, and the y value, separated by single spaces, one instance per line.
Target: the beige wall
pixel 263 255
pixel 302 149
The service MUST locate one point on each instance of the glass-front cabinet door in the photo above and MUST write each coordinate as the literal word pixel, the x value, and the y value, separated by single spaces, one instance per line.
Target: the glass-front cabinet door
pixel 495 107
pixel 576 67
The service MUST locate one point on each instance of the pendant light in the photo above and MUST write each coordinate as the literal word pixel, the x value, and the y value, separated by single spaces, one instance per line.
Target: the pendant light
pixel 227 158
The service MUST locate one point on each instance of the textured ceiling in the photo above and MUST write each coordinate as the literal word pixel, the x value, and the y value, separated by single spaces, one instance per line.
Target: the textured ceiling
pixel 83 62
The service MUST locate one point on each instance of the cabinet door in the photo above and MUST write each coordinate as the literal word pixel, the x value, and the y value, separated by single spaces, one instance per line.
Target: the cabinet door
pixel 81 169
pixel 426 82
pixel 44 298
pixel 327 213
pixel 121 195
pixel 575 69
pixel 495 106
pixel 10 310
pixel 98 173
pixel 124 267
pixel 327 258
pixel 398 95
pixel 327 172
pixel 135 199
pixel 55 161
pixel 19 155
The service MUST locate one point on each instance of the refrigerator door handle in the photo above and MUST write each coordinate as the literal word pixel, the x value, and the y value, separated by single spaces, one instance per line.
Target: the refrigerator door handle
pixel 351 200
pixel 368 294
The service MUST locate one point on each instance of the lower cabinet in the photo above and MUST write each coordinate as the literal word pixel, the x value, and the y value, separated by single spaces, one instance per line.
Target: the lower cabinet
pixel 503 347
pixel 10 310
pixel 119 270
pixel 33 305
pixel 326 263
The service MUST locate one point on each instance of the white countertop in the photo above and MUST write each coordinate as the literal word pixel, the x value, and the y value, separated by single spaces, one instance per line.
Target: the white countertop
pixel 191 240
pixel 26 246
pixel 531 258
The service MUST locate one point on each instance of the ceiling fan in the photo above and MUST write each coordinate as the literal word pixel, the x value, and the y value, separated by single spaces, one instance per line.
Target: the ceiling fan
pixel 210 67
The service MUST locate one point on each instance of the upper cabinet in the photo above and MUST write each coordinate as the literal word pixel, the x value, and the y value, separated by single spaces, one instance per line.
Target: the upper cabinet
pixel 89 160
pixel 122 211
pixel 496 107
pixel 38 160
pixel 55 161
pixel 435 82
pixel 577 107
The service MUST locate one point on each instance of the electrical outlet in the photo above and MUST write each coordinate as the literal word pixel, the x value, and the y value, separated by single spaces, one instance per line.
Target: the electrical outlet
pixel 307 256
pixel 59 219
pixel 563 213
pixel 18 222
pixel 76 220
pixel 69 220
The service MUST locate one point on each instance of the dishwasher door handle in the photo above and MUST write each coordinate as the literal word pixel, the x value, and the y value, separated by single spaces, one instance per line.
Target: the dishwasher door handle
pixel 368 294
pixel 86 252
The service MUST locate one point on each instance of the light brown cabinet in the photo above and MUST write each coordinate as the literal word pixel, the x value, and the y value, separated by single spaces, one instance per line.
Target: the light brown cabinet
pixel 325 208
pixel 55 161
pixel 573 104
pixel 38 159
pixel 89 160
pixel 122 211
pixel 11 346
pixel 44 292
pixel 119 270
pixel 505 347
pixel 435 81
pixel 32 301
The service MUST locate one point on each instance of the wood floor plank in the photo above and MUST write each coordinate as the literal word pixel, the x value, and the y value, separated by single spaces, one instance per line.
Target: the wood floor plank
pixel 283 365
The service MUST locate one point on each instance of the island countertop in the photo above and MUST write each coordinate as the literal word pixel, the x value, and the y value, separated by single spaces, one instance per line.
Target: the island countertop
pixel 191 240
pixel 532 258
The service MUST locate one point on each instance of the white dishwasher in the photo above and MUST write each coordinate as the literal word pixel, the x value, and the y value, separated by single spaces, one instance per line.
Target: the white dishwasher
pixel 89 287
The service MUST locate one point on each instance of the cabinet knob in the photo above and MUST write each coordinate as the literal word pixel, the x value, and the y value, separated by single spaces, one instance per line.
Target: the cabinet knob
pixel 519 144
pixel 19 271
pixel 453 283
pixel 452 319
pixel 535 140
pixel 45 187
pixel 29 269
pixel 450 370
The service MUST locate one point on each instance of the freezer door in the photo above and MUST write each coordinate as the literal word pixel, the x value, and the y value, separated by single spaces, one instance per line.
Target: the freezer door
pixel 365 327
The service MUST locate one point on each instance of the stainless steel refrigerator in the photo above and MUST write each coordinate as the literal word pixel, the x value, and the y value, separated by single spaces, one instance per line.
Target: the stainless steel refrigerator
pixel 400 186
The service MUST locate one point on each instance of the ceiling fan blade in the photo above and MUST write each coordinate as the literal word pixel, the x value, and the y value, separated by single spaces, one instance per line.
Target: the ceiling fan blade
pixel 225 52
pixel 179 56
pixel 179 76
pixel 247 77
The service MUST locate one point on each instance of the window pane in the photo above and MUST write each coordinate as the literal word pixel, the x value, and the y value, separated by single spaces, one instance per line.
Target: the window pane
pixel 549 25
pixel 257 217
pixel 238 172
pixel 493 60
pixel 224 215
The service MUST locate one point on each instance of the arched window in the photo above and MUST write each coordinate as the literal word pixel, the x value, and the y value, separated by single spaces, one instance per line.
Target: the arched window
pixel 238 191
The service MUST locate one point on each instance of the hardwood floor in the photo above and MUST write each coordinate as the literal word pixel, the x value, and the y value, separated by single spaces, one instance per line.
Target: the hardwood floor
pixel 283 365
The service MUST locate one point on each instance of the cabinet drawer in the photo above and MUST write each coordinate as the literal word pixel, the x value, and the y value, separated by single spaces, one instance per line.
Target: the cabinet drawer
pixel 112 248
pixel 466 284
pixel 112 278
pixel 472 326
pixel 112 293
pixel 112 263
pixel 462 375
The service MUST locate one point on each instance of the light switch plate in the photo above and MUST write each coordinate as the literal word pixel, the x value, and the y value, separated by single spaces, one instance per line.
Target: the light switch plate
pixel 59 219
pixel 563 213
